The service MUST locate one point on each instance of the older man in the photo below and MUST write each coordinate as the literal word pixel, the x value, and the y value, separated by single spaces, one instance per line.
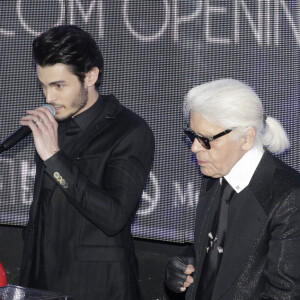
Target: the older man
pixel 247 231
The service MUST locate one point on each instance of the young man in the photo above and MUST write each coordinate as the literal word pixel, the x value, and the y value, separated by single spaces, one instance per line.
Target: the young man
pixel 93 159
pixel 247 231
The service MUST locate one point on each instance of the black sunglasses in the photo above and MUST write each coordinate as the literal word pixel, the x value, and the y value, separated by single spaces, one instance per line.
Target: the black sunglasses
pixel 204 141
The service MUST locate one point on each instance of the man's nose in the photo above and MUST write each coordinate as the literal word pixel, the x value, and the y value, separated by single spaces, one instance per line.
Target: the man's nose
pixel 50 96
pixel 196 146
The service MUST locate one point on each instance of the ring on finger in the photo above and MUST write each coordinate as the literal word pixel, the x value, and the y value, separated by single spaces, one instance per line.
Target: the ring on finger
pixel 37 121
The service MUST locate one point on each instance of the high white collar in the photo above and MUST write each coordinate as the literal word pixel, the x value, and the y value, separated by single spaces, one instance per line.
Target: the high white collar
pixel 242 172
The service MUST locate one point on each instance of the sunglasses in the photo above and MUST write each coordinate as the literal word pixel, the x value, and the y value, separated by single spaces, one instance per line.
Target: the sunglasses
pixel 204 141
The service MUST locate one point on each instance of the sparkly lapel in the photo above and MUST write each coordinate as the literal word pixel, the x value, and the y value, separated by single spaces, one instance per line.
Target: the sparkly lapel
pixel 246 224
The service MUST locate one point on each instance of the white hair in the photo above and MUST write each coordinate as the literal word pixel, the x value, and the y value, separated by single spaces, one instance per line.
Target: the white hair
pixel 234 105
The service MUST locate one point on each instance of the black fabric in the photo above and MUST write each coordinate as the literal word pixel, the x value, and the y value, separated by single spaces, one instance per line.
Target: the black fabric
pixel 84 119
pixel 262 236
pixel 72 126
pixel 67 131
pixel 216 242
pixel 91 213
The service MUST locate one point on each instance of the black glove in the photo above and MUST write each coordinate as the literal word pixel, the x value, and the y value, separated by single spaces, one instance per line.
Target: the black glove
pixel 174 274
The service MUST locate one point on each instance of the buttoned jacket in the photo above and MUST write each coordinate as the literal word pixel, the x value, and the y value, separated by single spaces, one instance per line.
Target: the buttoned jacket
pixel 88 247
pixel 261 258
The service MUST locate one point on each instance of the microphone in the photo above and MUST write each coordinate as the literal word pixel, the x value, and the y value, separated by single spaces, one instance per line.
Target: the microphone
pixel 20 133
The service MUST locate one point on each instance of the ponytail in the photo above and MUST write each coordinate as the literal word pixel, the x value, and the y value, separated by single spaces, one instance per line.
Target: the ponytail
pixel 274 137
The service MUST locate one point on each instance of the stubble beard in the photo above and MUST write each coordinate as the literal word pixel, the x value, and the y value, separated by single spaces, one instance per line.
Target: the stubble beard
pixel 77 104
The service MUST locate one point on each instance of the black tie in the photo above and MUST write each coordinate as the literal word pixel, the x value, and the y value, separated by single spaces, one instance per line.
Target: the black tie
pixel 72 127
pixel 66 130
pixel 225 195
pixel 215 247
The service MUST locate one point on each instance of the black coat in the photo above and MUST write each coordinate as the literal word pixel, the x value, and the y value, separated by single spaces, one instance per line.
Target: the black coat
pixel 261 257
pixel 88 250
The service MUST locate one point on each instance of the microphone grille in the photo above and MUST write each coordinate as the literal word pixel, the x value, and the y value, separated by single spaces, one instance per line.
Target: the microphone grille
pixel 51 108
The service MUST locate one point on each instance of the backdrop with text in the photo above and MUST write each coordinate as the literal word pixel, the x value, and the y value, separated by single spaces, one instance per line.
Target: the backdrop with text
pixel 154 52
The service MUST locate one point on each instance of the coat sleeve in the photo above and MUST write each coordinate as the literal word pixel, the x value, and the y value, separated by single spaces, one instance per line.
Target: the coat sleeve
pixel 282 272
pixel 111 203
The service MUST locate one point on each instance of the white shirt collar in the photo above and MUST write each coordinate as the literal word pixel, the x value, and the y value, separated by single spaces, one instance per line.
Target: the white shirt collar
pixel 242 172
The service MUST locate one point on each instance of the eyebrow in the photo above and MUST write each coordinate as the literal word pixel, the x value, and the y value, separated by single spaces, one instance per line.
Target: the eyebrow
pixel 201 134
pixel 55 82
pixel 195 132
pixel 198 133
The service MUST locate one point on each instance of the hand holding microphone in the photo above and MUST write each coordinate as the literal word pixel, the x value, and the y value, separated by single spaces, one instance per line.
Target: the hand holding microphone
pixel 42 124
pixel 44 129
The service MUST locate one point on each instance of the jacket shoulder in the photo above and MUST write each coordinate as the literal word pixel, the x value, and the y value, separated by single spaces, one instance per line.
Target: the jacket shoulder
pixel 114 109
pixel 274 181
pixel 285 177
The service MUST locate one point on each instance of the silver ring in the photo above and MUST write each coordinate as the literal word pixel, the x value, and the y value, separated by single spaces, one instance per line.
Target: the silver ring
pixel 37 121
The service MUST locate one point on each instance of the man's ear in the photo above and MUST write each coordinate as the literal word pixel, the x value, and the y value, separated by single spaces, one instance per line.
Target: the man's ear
pixel 91 77
pixel 249 139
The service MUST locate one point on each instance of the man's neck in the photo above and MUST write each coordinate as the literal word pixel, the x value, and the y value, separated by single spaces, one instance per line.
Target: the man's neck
pixel 93 96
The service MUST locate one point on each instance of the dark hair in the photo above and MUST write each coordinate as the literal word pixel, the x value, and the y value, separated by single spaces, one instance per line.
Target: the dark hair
pixel 69 45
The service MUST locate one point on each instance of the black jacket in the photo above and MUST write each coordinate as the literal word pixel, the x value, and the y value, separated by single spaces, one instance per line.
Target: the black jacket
pixel 262 252
pixel 88 250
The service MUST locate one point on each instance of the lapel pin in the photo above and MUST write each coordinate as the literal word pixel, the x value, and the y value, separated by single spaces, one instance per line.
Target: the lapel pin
pixel 220 249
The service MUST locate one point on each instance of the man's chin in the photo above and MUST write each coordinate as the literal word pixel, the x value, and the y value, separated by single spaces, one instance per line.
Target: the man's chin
pixel 60 118
pixel 64 117
pixel 208 172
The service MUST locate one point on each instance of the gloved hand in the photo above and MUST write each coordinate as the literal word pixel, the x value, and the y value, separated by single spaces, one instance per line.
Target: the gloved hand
pixel 178 271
